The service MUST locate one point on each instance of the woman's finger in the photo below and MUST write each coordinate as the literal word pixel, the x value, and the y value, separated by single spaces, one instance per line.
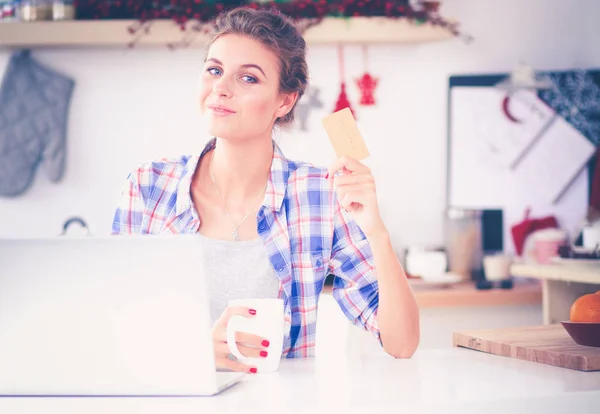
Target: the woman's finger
pixel 363 190
pixel 352 199
pixel 251 339
pixel 348 163
pixel 239 310
pixel 232 365
pixel 342 180
pixel 229 312
pixel 244 338
pixel 341 192
pixel 247 351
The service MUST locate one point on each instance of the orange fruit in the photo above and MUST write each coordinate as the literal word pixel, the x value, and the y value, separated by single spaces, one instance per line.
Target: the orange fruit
pixel 586 308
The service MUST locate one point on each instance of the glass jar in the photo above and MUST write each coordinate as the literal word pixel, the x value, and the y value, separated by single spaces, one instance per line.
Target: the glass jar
pixel 63 10
pixel 463 242
pixel 34 10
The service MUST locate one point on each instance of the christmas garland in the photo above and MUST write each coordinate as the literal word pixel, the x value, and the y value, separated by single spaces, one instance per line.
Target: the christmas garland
pixel 206 10
pixel 305 12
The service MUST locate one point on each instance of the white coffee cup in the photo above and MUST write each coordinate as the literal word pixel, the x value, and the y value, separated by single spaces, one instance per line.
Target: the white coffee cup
pixel 267 323
pixel 497 267
pixel 591 236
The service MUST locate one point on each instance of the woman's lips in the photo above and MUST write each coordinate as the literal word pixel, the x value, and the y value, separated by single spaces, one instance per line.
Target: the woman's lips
pixel 221 110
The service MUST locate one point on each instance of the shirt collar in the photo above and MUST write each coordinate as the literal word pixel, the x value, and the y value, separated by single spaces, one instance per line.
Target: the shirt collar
pixel 276 186
pixel 184 187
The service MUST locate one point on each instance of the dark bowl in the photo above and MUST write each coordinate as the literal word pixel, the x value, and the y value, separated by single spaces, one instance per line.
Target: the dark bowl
pixel 584 333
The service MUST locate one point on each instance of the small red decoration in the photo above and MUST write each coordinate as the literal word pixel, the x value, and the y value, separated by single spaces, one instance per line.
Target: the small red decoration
pixel 367 84
pixel 342 101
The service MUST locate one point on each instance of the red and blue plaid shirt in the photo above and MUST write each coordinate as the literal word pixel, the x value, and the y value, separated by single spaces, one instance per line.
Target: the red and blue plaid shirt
pixel 306 234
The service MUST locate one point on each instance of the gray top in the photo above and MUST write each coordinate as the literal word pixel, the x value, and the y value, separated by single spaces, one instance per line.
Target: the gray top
pixel 237 270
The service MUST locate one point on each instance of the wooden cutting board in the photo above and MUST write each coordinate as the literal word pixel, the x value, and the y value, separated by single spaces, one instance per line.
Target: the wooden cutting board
pixel 546 344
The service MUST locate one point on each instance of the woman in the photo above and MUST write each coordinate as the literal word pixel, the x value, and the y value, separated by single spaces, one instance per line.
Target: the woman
pixel 288 224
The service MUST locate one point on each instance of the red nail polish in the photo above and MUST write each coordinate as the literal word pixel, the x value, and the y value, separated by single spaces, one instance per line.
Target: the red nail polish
pixel 327 176
pixel 252 311
pixel 263 354
pixel 253 370
pixel 265 343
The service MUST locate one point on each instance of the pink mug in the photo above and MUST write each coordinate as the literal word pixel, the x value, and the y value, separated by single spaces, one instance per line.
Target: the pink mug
pixel 545 250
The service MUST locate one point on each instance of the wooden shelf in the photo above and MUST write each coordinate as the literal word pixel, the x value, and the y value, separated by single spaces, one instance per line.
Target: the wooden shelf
pixel 466 295
pixel 561 272
pixel 114 33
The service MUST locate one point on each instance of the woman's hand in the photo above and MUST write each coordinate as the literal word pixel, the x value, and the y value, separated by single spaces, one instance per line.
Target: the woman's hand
pixel 355 187
pixel 249 345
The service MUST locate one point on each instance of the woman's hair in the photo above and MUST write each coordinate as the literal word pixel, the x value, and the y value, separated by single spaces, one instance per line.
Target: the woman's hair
pixel 276 32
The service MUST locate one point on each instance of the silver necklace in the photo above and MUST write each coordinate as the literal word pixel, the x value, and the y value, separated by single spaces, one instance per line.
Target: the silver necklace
pixel 235 235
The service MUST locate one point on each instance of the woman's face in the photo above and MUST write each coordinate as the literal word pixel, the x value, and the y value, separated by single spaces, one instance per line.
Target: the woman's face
pixel 239 89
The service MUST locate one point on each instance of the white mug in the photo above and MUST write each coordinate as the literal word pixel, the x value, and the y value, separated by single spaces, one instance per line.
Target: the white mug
pixel 267 323
pixel 591 236
pixel 497 267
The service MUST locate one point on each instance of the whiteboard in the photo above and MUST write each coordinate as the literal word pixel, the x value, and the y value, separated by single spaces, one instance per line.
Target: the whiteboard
pixel 496 163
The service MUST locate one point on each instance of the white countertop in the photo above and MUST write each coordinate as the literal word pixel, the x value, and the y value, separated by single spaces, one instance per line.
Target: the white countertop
pixel 432 381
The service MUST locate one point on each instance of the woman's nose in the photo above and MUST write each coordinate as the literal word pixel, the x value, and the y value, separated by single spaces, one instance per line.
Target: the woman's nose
pixel 222 87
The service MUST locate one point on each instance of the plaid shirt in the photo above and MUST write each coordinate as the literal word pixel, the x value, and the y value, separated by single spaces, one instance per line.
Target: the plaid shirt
pixel 306 235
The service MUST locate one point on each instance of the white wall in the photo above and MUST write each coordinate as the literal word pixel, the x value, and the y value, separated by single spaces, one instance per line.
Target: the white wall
pixel 591 29
pixel 134 105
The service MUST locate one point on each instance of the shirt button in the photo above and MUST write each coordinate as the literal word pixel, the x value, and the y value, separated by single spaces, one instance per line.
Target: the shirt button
pixel 280 268
pixel 262 227
pixel 319 263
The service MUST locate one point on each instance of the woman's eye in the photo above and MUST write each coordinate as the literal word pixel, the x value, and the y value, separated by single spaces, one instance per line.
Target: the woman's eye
pixel 249 79
pixel 214 71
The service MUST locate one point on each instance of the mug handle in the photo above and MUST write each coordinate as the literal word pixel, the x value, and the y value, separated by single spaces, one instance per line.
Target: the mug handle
pixel 231 343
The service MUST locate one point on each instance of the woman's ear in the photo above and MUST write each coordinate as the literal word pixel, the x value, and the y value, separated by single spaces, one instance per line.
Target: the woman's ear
pixel 287 103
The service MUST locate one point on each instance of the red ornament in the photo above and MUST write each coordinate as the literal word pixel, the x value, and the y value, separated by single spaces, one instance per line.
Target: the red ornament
pixel 367 85
pixel 342 101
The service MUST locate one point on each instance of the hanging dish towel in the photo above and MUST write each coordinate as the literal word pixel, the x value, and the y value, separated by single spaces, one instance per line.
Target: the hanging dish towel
pixel 34 106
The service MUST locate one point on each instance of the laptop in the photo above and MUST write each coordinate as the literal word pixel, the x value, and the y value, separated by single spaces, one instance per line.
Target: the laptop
pixel 106 316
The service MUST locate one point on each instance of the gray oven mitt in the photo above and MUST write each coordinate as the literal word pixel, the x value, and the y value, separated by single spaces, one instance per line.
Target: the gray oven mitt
pixel 34 104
